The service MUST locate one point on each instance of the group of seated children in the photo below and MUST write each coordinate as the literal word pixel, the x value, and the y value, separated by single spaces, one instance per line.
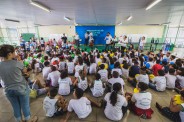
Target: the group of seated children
pixel 108 69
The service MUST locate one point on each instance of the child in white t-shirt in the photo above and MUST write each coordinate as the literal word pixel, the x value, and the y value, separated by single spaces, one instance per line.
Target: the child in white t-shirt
pixel 70 66
pixel 125 71
pixel 117 68
pixel 65 84
pixel 79 67
pixel 103 73
pixel 53 104
pixel 171 79
pixel 36 66
pixel 46 70
pixel 116 103
pixel 62 64
pixel 142 77
pixel 159 82
pixel 141 102
pixel 180 78
pixel 55 58
pixel 53 77
pixel 81 81
pixel 92 67
pixel 98 87
pixel 116 79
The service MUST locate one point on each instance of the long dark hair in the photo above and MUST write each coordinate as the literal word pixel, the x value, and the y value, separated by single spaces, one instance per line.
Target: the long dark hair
pixel 114 94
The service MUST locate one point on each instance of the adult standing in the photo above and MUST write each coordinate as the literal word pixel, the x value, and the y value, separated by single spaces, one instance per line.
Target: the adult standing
pixel 42 42
pixel 123 43
pixel 22 42
pixel 64 39
pixel 108 40
pixel 86 38
pixel 77 40
pixel 15 85
pixel 141 43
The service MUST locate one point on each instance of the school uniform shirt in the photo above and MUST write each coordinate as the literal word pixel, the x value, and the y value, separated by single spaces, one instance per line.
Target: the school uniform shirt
pixel 120 60
pixel 82 107
pixel 83 84
pixel 117 80
pixel 115 113
pixel 108 39
pixel 170 79
pixel 45 72
pixel 71 67
pixel 104 74
pixel 98 89
pixel 92 68
pixel 98 60
pixel 181 113
pixel 49 106
pixel 142 78
pixel 142 100
pixel 77 69
pixel 150 65
pixel 117 70
pixel 160 83
pixel 62 65
pixel 37 67
pixel 64 86
pixel 54 77
pixel 125 73
pixel 180 79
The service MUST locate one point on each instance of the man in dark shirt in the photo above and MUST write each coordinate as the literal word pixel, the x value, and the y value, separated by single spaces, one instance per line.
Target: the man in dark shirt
pixel 64 39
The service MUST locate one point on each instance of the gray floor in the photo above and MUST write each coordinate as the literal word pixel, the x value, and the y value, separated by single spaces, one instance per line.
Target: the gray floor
pixel 97 115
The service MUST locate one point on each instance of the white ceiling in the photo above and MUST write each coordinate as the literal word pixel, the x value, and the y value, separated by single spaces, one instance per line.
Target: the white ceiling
pixel 89 12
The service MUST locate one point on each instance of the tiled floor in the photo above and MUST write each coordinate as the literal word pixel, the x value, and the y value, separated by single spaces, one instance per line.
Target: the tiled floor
pixel 97 115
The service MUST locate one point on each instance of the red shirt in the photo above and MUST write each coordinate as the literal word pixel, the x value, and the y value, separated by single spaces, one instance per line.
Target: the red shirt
pixel 155 69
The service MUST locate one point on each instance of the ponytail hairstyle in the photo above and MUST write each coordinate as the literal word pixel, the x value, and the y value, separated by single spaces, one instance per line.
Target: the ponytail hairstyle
pixel 114 94
pixel 33 64
pixel 5 50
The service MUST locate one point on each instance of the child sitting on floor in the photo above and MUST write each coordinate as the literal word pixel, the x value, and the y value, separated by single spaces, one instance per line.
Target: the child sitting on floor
pixel 46 70
pixel 80 105
pixel 180 78
pixel 159 82
pixel 116 103
pixel 81 81
pixel 170 79
pixel 53 77
pixel 40 89
pixel 65 84
pixel 103 73
pixel 70 66
pixel 98 87
pixel 53 104
pixel 141 102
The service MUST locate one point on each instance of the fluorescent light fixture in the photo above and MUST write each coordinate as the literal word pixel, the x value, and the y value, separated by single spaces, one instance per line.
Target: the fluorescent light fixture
pixel 11 20
pixel 129 18
pixel 153 4
pixel 67 18
pixel 40 6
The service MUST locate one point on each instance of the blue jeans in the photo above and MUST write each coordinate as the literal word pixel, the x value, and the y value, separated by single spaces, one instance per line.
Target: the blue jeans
pixel 153 86
pixel 19 102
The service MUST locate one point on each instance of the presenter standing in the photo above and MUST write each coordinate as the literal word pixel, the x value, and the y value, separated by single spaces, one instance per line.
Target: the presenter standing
pixel 108 40
pixel 123 43
pixel 64 39
pixel 77 40
pixel 86 38
pixel 141 43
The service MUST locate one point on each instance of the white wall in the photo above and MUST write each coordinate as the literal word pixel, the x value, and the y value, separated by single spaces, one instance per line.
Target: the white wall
pixel 150 31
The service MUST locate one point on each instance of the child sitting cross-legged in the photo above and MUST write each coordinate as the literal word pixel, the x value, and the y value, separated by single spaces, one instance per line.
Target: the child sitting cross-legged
pixel 81 81
pixel 141 102
pixel 80 105
pixel 53 104
pixel 159 82
pixel 65 84
pixel 98 87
